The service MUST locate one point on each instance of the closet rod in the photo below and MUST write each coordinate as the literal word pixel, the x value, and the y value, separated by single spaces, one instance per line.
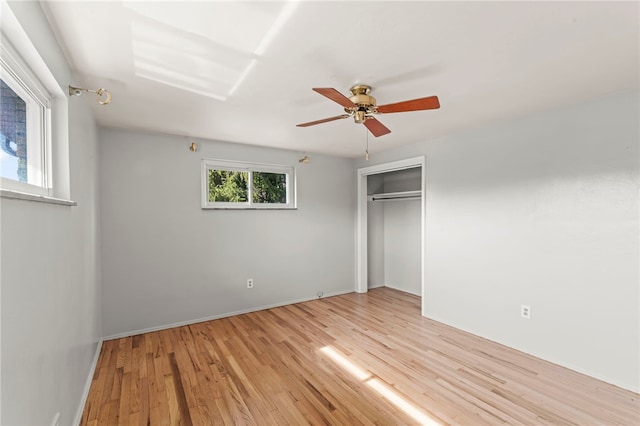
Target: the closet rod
pixel 387 196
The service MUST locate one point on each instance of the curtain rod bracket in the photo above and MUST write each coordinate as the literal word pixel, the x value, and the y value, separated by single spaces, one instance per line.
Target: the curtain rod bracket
pixel 77 91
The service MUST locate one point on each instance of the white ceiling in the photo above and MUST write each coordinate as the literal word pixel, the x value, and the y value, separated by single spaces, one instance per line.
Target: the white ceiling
pixel 243 72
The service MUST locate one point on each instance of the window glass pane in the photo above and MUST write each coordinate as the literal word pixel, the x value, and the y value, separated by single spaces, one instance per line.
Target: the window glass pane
pixel 228 186
pixel 13 134
pixel 269 188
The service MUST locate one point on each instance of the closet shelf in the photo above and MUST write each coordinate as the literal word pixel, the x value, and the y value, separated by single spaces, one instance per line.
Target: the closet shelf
pixel 403 195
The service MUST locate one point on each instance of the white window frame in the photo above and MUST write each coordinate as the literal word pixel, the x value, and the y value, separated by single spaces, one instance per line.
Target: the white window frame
pixel 17 75
pixel 241 166
pixel 25 71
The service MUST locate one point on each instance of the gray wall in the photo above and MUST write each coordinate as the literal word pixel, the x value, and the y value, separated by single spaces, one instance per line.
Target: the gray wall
pixel 375 234
pixel 543 211
pixel 402 265
pixel 50 272
pixel 167 261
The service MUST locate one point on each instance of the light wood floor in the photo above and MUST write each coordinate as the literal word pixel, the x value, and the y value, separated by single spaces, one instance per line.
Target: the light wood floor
pixel 345 360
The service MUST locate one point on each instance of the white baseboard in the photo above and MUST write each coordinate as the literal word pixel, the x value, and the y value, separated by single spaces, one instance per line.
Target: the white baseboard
pixel 87 385
pixel 215 317
pixel 402 289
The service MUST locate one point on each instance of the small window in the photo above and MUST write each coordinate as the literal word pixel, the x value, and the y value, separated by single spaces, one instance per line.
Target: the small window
pixel 239 185
pixel 25 110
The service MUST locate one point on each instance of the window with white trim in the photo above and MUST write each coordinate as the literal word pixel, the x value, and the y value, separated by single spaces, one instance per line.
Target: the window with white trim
pixel 25 111
pixel 241 185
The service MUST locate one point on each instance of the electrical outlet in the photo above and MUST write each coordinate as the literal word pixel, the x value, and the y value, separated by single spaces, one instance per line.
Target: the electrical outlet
pixel 525 311
pixel 250 283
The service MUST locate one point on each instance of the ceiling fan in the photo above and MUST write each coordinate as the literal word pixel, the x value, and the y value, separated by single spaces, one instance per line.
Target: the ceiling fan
pixel 362 107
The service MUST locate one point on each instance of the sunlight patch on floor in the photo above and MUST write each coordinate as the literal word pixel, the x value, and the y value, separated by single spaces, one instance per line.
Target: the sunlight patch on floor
pixel 343 362
pixel 385 391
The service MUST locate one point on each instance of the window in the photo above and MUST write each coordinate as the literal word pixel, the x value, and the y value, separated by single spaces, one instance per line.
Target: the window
pixel 25 113
pixel 23 126
pixel 239 185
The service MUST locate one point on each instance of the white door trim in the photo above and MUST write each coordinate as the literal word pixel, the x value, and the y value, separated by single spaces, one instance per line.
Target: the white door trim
pixel 361 232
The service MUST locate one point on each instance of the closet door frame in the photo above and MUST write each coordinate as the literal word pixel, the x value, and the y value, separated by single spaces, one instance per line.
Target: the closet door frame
pixel 361 226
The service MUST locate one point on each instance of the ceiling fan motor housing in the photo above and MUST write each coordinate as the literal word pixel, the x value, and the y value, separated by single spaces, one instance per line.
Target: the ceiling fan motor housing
pixel 365 104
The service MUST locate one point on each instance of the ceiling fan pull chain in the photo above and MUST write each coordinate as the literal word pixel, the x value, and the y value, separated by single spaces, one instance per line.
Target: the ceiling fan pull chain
pixel 366 152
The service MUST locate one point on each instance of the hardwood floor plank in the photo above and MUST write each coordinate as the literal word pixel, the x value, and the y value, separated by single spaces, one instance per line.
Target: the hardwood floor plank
pixel 159 404
pixel 178 387
pixel 125 396
pixel 355 359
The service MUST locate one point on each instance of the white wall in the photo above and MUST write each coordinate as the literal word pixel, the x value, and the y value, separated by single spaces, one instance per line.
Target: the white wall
pixel 50 272
pixel 167 261
pixel 541 210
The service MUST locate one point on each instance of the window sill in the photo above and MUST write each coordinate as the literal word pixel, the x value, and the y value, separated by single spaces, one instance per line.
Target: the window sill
pixel 15 195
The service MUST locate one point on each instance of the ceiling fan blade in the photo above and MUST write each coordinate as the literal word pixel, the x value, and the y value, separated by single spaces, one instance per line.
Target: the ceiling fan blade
pixel 376 127
pixel 324 120
pixel 430 102
pixel 335 96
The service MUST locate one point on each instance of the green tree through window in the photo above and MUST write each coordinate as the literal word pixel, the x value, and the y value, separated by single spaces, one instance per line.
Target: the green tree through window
pixel 228 186
pixel 269 187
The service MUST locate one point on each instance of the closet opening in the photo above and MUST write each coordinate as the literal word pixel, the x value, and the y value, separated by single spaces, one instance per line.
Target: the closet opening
pixel 391 227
